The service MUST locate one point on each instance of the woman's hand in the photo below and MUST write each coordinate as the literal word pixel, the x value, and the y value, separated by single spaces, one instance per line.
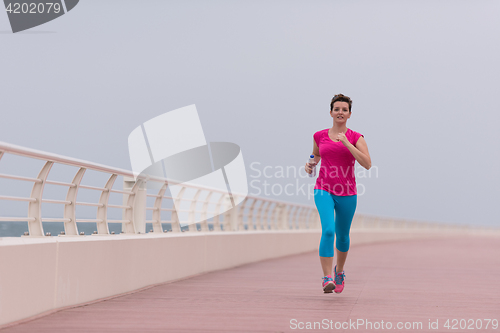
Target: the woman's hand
pixel 342 138
pixel 309 167
pixel 317 158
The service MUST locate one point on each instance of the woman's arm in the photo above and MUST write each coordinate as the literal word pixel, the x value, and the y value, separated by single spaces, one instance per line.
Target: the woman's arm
pixel 360 151
pixel 317 158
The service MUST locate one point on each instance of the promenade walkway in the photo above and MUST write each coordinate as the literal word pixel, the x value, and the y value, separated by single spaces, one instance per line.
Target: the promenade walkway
pixel 405 281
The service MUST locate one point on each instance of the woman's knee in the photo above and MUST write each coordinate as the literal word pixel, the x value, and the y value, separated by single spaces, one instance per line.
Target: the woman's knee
pixel 343 243
pixel 328 233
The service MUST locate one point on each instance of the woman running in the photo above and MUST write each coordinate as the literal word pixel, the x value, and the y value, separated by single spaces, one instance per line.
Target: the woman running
pixel 338 148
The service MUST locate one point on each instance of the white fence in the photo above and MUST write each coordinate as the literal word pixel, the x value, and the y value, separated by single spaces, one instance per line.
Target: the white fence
pixel 252 214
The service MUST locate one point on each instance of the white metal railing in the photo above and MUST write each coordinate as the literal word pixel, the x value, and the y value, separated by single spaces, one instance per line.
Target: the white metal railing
pixel 253 213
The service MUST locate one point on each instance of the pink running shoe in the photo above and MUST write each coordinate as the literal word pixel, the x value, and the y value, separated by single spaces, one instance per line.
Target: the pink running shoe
pixel 339 281
pixel 328 285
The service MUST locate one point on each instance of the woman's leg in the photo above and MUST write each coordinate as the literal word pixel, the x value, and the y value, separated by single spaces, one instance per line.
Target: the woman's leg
pixel 341 258
pixel 345 206
pixel 326 265
pixel 325 205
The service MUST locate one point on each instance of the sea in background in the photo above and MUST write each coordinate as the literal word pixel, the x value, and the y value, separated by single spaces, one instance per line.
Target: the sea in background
pixel 17 229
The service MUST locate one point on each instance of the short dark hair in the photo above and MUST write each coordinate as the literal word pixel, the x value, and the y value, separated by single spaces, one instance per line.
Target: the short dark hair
pixel 341 98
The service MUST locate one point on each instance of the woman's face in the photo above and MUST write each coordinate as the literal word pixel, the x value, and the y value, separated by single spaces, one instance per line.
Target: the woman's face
pixel 340 112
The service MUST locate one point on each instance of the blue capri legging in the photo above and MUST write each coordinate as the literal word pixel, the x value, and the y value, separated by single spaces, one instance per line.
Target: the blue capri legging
pixel 334 224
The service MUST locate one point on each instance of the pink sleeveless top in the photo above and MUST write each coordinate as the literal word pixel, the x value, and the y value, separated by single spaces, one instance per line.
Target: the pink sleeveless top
pixel 336 174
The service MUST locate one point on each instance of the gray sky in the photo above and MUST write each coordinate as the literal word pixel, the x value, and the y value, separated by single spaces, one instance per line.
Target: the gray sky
pixel 423 76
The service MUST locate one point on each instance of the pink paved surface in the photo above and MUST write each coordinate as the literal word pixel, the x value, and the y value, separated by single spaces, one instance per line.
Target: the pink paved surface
pixel 408 281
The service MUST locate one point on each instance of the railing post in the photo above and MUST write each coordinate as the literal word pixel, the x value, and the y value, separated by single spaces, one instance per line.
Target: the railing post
pixel 265 217
pixel 137 215
pixel 157 210
pixel 220 203
pixel 251 214
pixel 102 212
pixel 232 223
pixel 284 223
pixel 314 219
pixel 35 226
pixel 204 211
pixel 241 213
pixel 302 218
pixel 140 210
pixel 70 228
pixel 192 211
pixel 258 218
